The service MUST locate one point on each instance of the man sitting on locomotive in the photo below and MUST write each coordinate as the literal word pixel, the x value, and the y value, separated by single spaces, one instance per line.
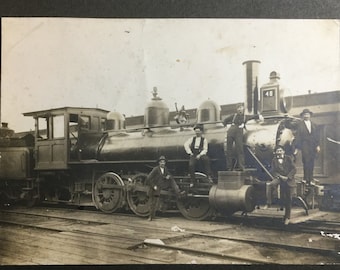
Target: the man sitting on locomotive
pixel 283 170
pixel 197 148
pixel 238 121
pixel 160 178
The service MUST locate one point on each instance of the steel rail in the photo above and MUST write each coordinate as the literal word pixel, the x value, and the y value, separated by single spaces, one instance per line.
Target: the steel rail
pixel 29 225
pixel 300 228
pixel 56 217
pixel 208 253
pixel 321 251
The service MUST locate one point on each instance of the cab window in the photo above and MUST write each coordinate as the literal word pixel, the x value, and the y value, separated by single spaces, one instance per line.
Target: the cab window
pixel 84 122
pixel 73 126
pixel 42 128
pixel 95 123
pixel 58 127
pixel 102 124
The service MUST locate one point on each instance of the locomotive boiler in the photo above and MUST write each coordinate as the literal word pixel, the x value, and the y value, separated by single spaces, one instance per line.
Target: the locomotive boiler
pixel 87 156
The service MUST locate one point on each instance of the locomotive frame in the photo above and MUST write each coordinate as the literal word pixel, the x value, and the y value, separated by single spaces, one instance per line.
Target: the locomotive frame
pixel 86 156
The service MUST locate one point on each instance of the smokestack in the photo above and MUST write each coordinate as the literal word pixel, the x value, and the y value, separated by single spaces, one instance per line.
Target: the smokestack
pixel 252 94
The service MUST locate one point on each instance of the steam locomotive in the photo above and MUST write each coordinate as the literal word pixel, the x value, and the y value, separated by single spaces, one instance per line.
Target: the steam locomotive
pixel 87 156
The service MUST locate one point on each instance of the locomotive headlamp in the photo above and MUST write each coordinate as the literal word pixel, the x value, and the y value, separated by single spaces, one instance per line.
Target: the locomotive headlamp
pixel 273 99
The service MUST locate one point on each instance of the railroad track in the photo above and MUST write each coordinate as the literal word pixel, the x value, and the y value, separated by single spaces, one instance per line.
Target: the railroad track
pixel 219 244
pixel 270 223
pixel 327 254
pixel 13 218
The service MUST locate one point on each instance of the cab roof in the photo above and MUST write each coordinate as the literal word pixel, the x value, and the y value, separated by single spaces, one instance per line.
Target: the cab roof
pixel 62 110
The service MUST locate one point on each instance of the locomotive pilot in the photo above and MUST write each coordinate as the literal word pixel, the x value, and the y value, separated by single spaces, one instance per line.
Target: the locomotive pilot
pixel 160 178
pixel 235 135
pixel 197 148
pixel 283 172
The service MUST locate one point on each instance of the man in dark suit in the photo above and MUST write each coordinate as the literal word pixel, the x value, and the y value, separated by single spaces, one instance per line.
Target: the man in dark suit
pixel 160 178
pixel 283 171
pixel 238 122
pixel 307 140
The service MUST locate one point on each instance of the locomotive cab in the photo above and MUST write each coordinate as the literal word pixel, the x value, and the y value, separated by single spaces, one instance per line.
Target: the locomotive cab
pixel 60 133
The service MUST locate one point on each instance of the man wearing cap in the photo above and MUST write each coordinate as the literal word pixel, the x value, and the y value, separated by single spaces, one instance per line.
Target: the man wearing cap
pixel 238 122
pixel 307 140
pixel 160 178
pixel 283 171
pixel 197 148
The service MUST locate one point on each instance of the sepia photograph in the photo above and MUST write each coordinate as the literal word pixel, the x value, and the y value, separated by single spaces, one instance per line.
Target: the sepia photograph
pixel 169 141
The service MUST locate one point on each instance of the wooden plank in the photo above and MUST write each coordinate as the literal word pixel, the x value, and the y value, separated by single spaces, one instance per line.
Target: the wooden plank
pixel 92 252
pixel 161 223
pixel 18 253
pixel 10 255
pixel 37 247
pixel 136 234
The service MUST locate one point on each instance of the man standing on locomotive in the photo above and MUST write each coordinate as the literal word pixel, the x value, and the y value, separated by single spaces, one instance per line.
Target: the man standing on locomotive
pixel 235 135
pixel 197 148
pixel 160 178
pixel 307 140
pixel 283 171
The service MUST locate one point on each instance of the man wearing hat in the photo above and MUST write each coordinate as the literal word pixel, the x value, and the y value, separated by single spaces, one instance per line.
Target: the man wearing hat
pixel 307 140
pixel 283 170
pixel 160 178
pixel 238 122
pixel 197 148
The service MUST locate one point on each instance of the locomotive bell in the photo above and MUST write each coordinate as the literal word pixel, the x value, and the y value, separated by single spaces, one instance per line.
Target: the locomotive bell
pixel 156 112
pixel 273 100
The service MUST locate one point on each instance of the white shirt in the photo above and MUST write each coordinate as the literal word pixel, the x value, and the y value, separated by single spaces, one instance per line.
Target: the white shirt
pixel 197 144
pixel 162 170
pixel 308 125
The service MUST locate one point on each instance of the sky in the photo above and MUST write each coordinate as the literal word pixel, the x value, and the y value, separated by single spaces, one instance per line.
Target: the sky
pixel 113 64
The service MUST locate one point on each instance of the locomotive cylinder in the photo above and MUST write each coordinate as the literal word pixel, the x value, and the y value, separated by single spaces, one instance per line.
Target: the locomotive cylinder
pixel 230 194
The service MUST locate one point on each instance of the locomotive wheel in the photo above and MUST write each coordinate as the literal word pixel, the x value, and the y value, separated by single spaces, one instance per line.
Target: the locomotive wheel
pixel 137 195
pixel 108 192
pixel 196 208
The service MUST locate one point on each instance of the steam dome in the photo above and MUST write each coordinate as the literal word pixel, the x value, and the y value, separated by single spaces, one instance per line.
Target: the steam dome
pixel 156 112
pixel 115 121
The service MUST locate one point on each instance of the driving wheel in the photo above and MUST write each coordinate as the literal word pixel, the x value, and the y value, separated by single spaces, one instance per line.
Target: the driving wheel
pixel 137 195
pixel 195 206
pixel 108 192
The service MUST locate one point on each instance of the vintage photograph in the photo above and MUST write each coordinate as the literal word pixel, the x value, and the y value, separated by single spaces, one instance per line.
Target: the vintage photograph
pixel 169 141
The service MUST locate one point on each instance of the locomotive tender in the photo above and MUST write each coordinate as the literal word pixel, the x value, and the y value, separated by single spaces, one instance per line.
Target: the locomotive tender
pixel 86 156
